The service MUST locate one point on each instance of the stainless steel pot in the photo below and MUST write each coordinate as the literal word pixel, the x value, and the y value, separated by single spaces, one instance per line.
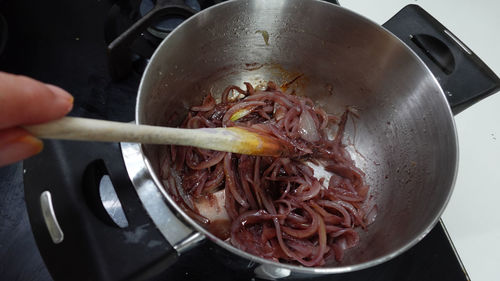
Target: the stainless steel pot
pixel 404 139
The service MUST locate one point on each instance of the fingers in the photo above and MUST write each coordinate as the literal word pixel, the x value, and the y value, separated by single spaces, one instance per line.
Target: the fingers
pixel 17 144
pixel 25 101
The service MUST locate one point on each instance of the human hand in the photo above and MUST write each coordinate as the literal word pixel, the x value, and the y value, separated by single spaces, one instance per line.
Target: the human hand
pixel 25 101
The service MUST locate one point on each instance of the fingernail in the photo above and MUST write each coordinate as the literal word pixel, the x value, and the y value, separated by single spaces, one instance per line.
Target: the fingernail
pixel 62 95
pixel 20 149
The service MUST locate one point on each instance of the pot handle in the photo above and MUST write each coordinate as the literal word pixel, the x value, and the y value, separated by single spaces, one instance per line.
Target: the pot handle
pixel 119 50
pixel 76 235
pixel 463 76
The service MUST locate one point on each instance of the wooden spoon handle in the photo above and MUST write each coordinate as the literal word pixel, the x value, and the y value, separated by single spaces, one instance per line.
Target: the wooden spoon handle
pixel 233 139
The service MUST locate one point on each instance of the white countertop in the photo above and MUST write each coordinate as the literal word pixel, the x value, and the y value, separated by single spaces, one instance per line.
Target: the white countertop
pixel 472 214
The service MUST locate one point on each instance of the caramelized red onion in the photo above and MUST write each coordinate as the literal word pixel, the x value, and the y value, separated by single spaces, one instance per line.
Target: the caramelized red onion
pixel 277 208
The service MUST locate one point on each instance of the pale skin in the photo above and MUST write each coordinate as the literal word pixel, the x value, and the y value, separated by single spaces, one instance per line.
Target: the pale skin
pixel 25 101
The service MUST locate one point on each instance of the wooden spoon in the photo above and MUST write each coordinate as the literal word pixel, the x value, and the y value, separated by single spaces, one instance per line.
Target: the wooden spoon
pixel 233 139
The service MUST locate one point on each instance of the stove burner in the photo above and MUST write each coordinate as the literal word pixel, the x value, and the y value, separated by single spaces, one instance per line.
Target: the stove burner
pixel 134 29
pixel 165 25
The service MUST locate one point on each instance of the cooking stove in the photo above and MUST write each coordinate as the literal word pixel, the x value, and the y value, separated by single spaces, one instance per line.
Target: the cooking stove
pixel 79 45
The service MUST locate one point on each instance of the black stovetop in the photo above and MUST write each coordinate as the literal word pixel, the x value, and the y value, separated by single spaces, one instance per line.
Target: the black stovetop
pixel 63 43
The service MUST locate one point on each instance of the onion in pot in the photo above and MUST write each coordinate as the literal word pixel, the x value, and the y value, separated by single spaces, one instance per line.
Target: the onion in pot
pixel 285 208
pixel 307 128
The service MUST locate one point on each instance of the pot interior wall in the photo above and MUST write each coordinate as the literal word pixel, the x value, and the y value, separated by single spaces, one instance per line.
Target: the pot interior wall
pixel 403 140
